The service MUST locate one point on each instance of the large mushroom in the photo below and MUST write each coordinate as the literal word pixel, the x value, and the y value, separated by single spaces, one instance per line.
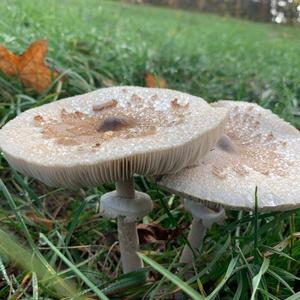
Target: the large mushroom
pixel 257 149
pixel 108 136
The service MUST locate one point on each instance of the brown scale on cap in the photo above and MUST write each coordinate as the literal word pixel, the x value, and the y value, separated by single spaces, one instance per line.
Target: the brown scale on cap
pixel 136 98
pixel 105 105
pixel 108 121
pixel 176 104
pixel 154 97
pixel 38 120
pixel 218 172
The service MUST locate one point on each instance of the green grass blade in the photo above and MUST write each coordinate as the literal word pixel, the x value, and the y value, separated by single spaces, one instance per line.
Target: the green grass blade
pixel 21 221
pixel 217 256
pixel 265 293
pixel 280 253
pixel 229 271
pixel 5 276
pixel 173 278
pixel 35 287
pixel 156 289
pixel 294 297
pixel 12 249
pixel 126 282
pixel 25 186
pixel 257 278
pixel 239 290
pixel 285 273
pixel 91 285
pixel 280 279
pixel 75 220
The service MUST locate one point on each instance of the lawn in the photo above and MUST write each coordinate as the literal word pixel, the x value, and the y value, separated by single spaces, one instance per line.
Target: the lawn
pixel 96 44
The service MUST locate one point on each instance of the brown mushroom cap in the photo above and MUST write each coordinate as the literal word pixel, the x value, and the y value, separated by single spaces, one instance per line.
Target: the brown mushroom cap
pixel 257 149
pixel 111 134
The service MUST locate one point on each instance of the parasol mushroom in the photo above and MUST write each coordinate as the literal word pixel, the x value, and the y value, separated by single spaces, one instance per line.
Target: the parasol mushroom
pixel 258 149
pixel 108 136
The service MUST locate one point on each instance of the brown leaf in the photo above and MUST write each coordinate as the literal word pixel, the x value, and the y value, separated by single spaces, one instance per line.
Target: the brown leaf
pixel 30 67
pixel 154 233
pixel 154 81
pixel 8 62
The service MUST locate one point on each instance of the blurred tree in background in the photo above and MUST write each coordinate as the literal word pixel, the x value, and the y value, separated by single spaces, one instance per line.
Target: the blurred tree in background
pixel 278 11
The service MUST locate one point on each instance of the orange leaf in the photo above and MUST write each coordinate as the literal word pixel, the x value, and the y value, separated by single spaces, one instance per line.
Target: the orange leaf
pixel 30 66
pixel 155 81
pixel 8 62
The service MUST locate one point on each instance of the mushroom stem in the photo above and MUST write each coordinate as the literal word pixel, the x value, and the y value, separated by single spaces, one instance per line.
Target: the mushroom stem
pixel 203 218
pixel 129 245
pixel 195 238
pixel 125 188
pixel 127 232
pixel 127 206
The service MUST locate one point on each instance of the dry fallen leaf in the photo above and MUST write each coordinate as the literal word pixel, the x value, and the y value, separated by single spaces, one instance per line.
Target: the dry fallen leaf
pixel 30 67
pixel 154 233
pixel 8 62
pixel 154 81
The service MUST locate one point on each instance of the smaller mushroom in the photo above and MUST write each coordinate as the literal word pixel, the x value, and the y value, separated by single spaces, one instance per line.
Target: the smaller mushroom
pixel 258 149
pixel 203 218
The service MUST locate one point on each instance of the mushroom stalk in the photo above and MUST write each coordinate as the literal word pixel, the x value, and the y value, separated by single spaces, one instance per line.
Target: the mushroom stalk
pixel 129 245
pixel 125 188
pixel 127 232
pixel 127 206
pixel 195 238
pixel 203 218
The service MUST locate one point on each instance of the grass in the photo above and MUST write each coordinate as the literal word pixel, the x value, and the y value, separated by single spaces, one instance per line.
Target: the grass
pixel 96 44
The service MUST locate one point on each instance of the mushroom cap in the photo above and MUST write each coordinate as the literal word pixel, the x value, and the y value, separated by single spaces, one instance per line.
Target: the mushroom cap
pixel 259 150
pixel 111 134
